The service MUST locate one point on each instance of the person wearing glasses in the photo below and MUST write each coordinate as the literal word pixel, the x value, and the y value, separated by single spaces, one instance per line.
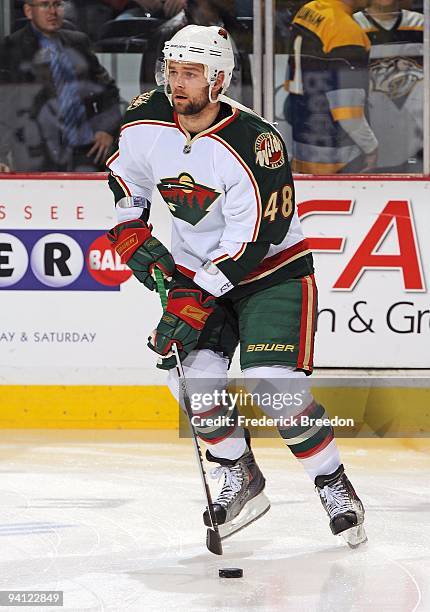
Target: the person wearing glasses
pixel 60 106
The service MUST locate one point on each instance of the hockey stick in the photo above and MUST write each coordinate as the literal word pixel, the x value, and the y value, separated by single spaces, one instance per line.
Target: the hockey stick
pixel 213 538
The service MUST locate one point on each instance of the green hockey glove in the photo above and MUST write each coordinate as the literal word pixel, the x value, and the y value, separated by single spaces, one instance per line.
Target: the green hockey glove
pixel 182 322
pixel 138 248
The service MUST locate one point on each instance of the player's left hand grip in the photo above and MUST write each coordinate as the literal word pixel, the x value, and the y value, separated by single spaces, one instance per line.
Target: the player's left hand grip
pixel 141 251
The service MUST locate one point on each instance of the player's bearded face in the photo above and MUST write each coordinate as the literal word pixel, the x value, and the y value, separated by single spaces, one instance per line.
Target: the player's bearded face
pixel 189 87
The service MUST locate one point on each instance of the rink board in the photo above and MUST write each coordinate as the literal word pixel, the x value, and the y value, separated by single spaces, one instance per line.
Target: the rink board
pixel 74 324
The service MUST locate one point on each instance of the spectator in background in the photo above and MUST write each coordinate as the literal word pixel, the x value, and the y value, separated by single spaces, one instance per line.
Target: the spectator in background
pixel 65 105
pixel 327 83
pixel 396 83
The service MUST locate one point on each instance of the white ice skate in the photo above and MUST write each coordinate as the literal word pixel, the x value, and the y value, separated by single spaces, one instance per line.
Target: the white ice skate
pixel 241 500
pixel 343 506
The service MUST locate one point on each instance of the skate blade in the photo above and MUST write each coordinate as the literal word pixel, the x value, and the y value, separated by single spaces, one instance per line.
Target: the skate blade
pixel 253 510
pixel 355 536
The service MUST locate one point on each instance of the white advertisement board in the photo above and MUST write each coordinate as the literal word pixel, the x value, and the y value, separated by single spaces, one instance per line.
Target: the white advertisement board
pixel 71 313
pixel 371 243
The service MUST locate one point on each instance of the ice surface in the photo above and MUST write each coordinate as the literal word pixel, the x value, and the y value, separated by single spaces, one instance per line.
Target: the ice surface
pixel 114 520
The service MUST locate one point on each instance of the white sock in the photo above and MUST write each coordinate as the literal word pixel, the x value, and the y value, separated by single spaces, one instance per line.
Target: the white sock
pixel 323 463
pixel 230 448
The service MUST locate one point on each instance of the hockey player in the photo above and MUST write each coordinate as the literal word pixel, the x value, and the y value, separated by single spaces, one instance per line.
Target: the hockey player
pixel 241 268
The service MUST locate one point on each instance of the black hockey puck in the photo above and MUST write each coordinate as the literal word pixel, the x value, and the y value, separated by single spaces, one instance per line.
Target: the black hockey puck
pixel 231 572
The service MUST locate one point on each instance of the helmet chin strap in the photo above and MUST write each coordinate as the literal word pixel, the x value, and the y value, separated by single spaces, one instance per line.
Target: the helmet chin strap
pixel 211 85
pixel 210 95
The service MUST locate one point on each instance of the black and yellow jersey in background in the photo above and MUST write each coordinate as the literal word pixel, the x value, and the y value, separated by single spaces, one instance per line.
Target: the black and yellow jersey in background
pixel 327 81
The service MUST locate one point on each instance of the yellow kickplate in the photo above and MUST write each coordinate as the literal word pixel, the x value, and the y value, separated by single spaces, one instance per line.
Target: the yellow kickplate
pixel 402 411
pixel 87 407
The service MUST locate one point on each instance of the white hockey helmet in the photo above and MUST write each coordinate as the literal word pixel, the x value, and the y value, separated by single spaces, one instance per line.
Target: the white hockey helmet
pixel 207 45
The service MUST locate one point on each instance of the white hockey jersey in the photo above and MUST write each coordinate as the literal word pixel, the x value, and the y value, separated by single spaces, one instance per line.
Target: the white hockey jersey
pixel 229 190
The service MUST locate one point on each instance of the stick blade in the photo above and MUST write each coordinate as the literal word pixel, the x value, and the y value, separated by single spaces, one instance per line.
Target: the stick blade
pixel 213 542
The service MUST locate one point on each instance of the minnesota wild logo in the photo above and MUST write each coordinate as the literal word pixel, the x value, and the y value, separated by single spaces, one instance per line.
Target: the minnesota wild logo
pixel 268 151
pixel 187 199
